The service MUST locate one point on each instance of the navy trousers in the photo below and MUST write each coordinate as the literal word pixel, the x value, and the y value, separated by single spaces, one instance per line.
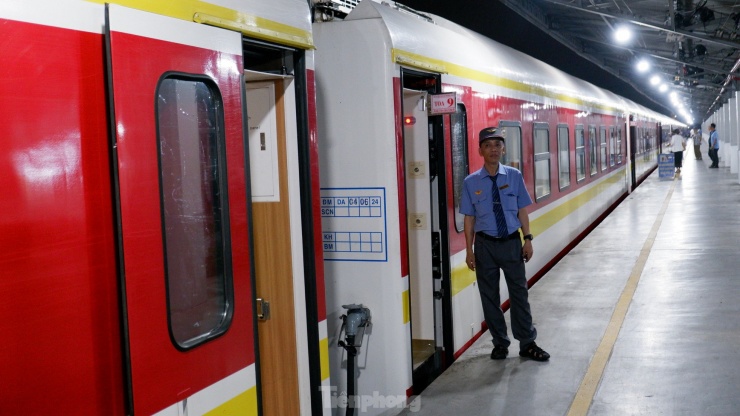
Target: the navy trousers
pixel 492 257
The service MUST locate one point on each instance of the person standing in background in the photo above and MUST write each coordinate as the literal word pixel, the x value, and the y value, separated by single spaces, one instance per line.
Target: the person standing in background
pixel 678 145
pixel 696 139
pixel 713 145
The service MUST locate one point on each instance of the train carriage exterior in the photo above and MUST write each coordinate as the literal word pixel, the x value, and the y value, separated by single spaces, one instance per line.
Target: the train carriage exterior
pixel 384 140
pixel 159 174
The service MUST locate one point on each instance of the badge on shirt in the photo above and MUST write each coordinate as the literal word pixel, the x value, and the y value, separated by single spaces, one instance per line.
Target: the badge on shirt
pixel 478 192
pixel 504 187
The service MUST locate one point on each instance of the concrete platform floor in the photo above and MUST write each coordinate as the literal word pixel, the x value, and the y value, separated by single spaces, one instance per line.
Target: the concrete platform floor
pixel 641 318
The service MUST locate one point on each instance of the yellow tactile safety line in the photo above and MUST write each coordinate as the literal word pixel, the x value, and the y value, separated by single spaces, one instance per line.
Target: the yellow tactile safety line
pixel 587 390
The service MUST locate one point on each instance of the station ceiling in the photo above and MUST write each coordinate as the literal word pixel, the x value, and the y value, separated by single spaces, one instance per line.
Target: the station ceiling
pixel 692 45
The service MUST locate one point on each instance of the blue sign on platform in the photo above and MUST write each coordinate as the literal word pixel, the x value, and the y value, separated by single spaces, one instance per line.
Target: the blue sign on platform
pixel 666 170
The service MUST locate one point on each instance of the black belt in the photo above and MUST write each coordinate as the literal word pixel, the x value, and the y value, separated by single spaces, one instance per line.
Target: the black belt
pixel 484 236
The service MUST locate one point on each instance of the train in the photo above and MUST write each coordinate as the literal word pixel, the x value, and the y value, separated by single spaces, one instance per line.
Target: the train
pixel 250 208
pixel 399 121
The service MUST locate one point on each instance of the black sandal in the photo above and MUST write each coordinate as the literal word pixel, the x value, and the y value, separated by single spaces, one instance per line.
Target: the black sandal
pixel 534 352
pixel 499 352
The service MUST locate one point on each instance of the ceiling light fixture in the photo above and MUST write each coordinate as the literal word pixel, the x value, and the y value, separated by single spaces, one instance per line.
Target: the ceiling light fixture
pixel 622 34
pixel 643 65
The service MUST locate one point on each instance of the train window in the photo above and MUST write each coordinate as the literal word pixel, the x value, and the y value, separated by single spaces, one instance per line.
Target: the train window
pixel 580 154
pixel 513 133
pixel 612 146
pixel 563 156
pixel 541 160
pixel 592 149
pixel 602 147
pixel 460 157
pixel 619 146
pixel 195 226
pixel 266 57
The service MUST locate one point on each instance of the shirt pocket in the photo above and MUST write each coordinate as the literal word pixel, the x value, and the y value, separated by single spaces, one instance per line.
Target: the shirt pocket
pixel 481 203
pixel 508 201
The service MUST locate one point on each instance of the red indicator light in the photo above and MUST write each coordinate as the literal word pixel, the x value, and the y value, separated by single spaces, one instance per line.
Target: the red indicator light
pixel 409 121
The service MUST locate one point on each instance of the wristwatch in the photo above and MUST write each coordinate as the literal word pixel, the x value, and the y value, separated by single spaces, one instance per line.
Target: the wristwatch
pixel 529 237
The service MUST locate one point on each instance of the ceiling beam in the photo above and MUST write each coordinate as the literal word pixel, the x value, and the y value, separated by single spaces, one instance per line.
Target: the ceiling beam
pixel 731 44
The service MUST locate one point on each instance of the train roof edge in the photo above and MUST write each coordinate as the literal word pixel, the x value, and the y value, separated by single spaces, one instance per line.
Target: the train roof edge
pixel 454 50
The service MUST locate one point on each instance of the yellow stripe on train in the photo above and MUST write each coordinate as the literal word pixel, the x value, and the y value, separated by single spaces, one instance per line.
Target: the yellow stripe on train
pixel 203 12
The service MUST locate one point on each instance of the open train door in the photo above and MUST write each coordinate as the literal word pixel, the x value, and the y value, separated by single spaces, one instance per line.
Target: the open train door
pixel 180 171
pixel 428 246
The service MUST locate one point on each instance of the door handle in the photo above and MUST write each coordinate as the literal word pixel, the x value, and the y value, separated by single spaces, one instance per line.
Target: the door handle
pixel 263 309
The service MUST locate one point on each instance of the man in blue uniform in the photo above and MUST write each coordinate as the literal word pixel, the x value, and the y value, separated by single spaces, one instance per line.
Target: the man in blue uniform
pixel 494 201
pixel 713 146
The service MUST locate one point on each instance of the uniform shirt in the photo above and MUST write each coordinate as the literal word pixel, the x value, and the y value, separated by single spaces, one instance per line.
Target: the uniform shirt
pixel 696 137
pixel 477 198
pixel 714 140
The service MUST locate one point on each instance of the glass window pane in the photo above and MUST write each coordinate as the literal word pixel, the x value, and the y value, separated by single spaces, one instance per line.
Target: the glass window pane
pixel 542 161
pixel 592 149
pixel 460 166
pixel 541 141
pixel 612 146
pixel 541 178
pixel 197 266
pixel 602 147
pixel 513 134
pixel 564 157
pixel 580 154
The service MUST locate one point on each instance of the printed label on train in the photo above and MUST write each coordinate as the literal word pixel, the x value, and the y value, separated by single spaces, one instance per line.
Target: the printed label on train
pixel 354 224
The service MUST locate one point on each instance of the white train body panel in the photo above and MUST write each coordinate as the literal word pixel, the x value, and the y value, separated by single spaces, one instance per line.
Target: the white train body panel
pixel 359 65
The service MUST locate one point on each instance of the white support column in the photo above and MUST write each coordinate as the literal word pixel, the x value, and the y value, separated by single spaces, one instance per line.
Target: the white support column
pixel 724 134
pixel 733 155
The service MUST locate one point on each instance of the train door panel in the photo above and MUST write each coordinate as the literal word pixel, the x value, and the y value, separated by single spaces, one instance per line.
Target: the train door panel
pixel 425 239
pixel 418 205
pixel 180 175
pixel 60 352
pixel 266 113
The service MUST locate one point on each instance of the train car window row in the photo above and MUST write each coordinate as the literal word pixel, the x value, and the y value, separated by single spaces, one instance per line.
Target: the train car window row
pixel 602 153
pixel 541 160
pixel 190 131
pixel 460 158
pixel 563 156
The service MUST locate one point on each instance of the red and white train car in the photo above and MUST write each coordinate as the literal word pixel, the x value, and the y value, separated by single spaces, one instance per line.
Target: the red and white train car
pixel 399 119
pixel 159 209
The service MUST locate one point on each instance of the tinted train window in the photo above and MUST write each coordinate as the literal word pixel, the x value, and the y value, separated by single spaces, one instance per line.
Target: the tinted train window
pixel 619 146
pixel 612 146
pixel 541 160
pixel 563 157
pixel 193 194
pixel 513 133
pixel 592 149
pixel 580 154
pixel 460 165
pixel 602 147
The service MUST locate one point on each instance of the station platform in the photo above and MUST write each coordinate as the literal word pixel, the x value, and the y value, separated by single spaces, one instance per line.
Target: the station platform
pixel 641 318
